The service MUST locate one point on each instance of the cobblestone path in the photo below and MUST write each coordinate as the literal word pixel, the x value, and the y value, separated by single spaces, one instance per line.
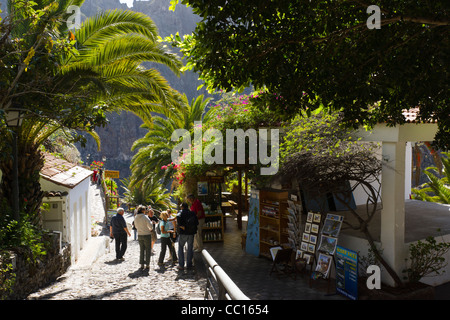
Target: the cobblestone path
pixel 108 279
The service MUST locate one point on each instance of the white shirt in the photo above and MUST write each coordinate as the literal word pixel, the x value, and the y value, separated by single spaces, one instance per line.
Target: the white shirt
pixel 143 224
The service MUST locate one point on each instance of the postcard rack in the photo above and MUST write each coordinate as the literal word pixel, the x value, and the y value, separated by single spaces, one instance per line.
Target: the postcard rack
pixel 324 258
pixel 306 248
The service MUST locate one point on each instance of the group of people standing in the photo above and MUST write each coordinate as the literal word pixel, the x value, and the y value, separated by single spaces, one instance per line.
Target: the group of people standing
pixel 186 227
pixel 97 176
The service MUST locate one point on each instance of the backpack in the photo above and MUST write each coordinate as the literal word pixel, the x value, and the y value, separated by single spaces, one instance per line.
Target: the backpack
pixel 191 223
pixel 158 228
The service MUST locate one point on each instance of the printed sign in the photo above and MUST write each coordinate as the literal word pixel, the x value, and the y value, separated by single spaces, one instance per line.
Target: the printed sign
pixel 347 272
pixel 112 174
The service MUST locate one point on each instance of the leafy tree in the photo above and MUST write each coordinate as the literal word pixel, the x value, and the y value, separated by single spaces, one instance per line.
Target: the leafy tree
pixel 242 111
pixel 322 52
pixel 324 157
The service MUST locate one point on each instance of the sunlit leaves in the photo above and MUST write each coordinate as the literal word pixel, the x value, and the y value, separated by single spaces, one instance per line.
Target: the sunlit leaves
pixel 325 49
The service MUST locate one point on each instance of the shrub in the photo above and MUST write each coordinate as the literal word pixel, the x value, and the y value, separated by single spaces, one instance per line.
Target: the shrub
pixel 426 259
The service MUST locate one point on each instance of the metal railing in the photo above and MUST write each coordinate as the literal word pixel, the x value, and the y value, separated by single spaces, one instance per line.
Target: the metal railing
pixel 219 285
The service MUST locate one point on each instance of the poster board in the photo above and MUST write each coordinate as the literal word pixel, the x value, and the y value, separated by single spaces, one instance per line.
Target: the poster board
pixel 309 240
pixel 347 272
pixel 202 188
pixel 324 265
pixel 327 245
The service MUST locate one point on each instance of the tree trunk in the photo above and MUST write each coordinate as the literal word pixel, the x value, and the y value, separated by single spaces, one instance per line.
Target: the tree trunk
pixel 30 163
pixel 377 254
pixel 363 228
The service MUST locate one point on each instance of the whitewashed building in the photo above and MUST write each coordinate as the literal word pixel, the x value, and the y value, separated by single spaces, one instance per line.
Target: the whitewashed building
pixel 66 191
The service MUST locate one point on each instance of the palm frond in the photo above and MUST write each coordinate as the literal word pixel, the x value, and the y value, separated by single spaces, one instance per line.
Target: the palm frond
pixel 437 189
pixel 107 25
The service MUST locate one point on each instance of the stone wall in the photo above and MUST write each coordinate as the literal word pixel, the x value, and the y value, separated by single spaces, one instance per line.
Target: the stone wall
pixel 32 276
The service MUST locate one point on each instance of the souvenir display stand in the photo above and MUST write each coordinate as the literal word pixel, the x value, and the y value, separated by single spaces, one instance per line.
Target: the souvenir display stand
pixel 280 229
pixel 209 191
pixel 273 221
pixel 326 242
pixel 213 228
pixel 307 248
pixel 295 232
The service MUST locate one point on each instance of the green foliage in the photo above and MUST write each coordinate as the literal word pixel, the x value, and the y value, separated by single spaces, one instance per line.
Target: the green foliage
pixel 364 261
pixel 155 148
pixel 22 233
pixel 61 144
pixel 324 49
pixel 324 155
pixel 153 193
pixel 321 134
pixel 426 259
pixel 21 236
pixel 34 42
pixel 71 80
pixel 7 277
pixel 242 111
pixel 111 186
pixel 437 189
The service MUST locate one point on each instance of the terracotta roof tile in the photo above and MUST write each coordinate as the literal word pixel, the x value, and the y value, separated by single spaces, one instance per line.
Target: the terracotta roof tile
pixel 62 172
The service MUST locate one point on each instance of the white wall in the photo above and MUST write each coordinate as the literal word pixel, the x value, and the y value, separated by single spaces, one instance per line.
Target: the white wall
pixel 76 215
pixel 361 197
pixel 80 218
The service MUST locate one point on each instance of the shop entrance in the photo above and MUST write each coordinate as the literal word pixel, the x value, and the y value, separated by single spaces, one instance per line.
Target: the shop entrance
pixel 226 211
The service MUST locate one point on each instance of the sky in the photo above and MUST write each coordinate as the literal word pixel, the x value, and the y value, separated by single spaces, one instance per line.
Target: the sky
pixel 129 3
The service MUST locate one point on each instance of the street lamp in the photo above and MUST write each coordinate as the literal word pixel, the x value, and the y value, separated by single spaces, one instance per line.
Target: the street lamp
pixel 14 120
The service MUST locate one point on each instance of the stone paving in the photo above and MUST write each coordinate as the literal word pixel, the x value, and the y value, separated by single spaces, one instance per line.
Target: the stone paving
pixel 104 278
pixel 108 279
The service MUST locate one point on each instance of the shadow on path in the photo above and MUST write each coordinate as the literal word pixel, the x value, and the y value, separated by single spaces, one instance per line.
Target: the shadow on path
pixel 107 293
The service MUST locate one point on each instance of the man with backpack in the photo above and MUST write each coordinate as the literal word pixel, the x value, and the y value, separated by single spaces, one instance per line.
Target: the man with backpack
pixel 187 223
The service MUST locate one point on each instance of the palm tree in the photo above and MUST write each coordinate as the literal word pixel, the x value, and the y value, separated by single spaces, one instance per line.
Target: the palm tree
pixel 103 72
pixel 437 189
pixel 114 44
pixel 155 148
pixel 153 193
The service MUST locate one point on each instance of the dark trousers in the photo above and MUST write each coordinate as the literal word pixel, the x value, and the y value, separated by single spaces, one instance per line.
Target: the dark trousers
pixel 145 246
pixel 121 244
pixel 189 240
pixel 166 242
